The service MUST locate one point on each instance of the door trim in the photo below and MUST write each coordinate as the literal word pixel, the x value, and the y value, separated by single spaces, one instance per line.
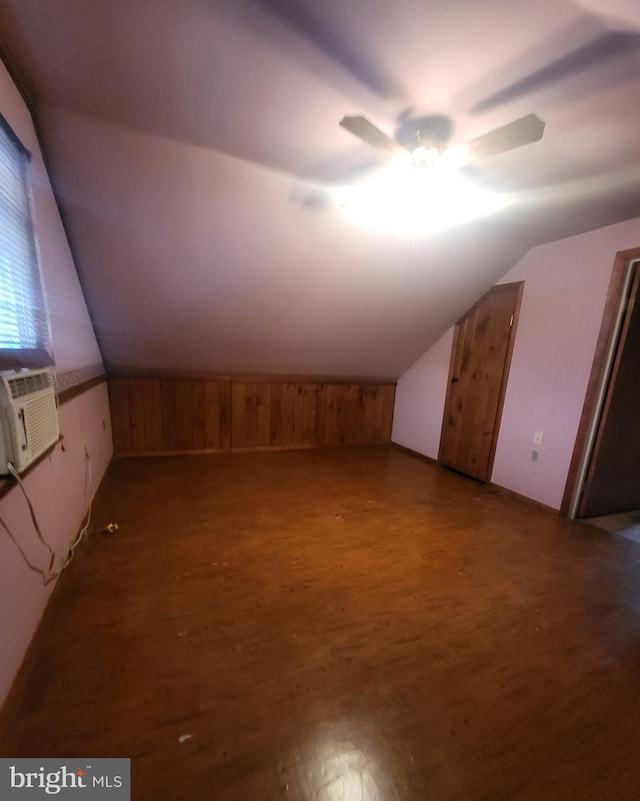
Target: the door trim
pixel 603 359
pixel 519 286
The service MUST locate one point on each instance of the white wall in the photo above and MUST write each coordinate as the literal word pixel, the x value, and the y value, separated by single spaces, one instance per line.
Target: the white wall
pixel 565 291
pixel 420 396
pixel 59 487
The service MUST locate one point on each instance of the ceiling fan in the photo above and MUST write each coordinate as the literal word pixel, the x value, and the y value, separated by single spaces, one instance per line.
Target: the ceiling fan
pixel 423 140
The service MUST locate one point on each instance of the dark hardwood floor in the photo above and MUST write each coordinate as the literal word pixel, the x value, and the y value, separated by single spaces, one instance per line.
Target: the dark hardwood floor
pixel 338 625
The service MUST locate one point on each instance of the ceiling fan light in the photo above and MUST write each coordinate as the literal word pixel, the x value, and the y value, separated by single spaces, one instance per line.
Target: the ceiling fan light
pixel 417 203
pixel 453 158
pixel 425 157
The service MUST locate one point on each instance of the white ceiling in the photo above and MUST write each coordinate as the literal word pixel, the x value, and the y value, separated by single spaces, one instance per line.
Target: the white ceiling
pixel 188 139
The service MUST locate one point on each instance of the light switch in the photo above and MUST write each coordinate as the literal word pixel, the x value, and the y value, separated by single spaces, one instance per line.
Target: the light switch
pixel 537 438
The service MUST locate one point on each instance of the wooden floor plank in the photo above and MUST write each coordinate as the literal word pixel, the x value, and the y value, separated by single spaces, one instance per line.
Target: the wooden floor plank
pixel 337 624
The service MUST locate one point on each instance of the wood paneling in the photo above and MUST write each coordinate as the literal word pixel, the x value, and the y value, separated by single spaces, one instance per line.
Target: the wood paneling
pixel 263 415
pixel 163 414
pixel 184 414
pixel 137 415
pixel 120 414
pixel 238 415
pixel 286 418
pixel 217 413
pixel 152 401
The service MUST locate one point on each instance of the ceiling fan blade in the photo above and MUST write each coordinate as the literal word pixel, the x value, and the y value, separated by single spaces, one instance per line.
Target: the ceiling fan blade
pixel 367 131
pixel 308 21
pixel 610 45
pixel 515 134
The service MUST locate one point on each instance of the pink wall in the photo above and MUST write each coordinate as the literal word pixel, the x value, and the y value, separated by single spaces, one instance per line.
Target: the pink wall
pixel 57 485
pixel 565 291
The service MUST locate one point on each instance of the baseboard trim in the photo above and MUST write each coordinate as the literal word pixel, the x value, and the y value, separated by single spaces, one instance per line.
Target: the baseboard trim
pixel 422 456
pixel 538 504
pixel 261 449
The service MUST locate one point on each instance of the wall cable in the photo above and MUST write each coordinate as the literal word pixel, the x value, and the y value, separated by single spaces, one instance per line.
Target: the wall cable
pixel 50 575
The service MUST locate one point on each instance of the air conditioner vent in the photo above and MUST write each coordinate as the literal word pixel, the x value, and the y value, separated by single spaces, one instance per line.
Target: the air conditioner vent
pixel 24 385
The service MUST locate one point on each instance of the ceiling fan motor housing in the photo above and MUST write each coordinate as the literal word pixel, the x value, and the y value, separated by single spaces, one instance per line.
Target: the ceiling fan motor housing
pixel 433 130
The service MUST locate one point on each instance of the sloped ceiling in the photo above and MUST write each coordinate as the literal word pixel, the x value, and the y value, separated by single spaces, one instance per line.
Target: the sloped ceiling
pixel 191 142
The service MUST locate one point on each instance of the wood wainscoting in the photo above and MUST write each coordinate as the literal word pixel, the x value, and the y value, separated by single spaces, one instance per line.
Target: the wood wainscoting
pixel 170 414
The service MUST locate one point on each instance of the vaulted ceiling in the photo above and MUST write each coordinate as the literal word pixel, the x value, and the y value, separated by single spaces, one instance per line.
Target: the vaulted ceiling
pixel 192 144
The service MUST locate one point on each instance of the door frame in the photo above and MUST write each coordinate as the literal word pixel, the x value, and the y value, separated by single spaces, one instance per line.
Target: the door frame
pixel 597 387
pixel 519 286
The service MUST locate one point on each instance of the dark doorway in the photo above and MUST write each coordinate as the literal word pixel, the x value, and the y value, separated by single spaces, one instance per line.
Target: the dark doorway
pixel 608 424
pixel 612 481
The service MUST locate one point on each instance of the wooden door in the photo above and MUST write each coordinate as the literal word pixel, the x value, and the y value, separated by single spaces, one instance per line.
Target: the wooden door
pixel 480 357
pixel 613 478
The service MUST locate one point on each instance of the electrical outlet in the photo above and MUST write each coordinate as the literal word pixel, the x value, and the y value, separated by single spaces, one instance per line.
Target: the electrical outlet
pixel 534 456
pixel 537 438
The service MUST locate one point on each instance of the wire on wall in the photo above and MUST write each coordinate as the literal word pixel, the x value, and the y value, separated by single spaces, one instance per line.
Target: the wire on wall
pixel 50 574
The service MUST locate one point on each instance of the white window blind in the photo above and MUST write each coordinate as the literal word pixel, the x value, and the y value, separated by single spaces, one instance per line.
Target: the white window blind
pixel 24 327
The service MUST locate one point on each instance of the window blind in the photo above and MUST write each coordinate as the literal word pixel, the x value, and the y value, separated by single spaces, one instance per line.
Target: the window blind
pixel 24 326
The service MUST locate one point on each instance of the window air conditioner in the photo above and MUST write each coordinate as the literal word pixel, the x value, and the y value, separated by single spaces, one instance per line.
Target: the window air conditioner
pixel 29 418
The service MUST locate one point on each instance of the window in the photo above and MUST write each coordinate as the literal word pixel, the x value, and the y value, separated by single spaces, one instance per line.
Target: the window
pixel 24 324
